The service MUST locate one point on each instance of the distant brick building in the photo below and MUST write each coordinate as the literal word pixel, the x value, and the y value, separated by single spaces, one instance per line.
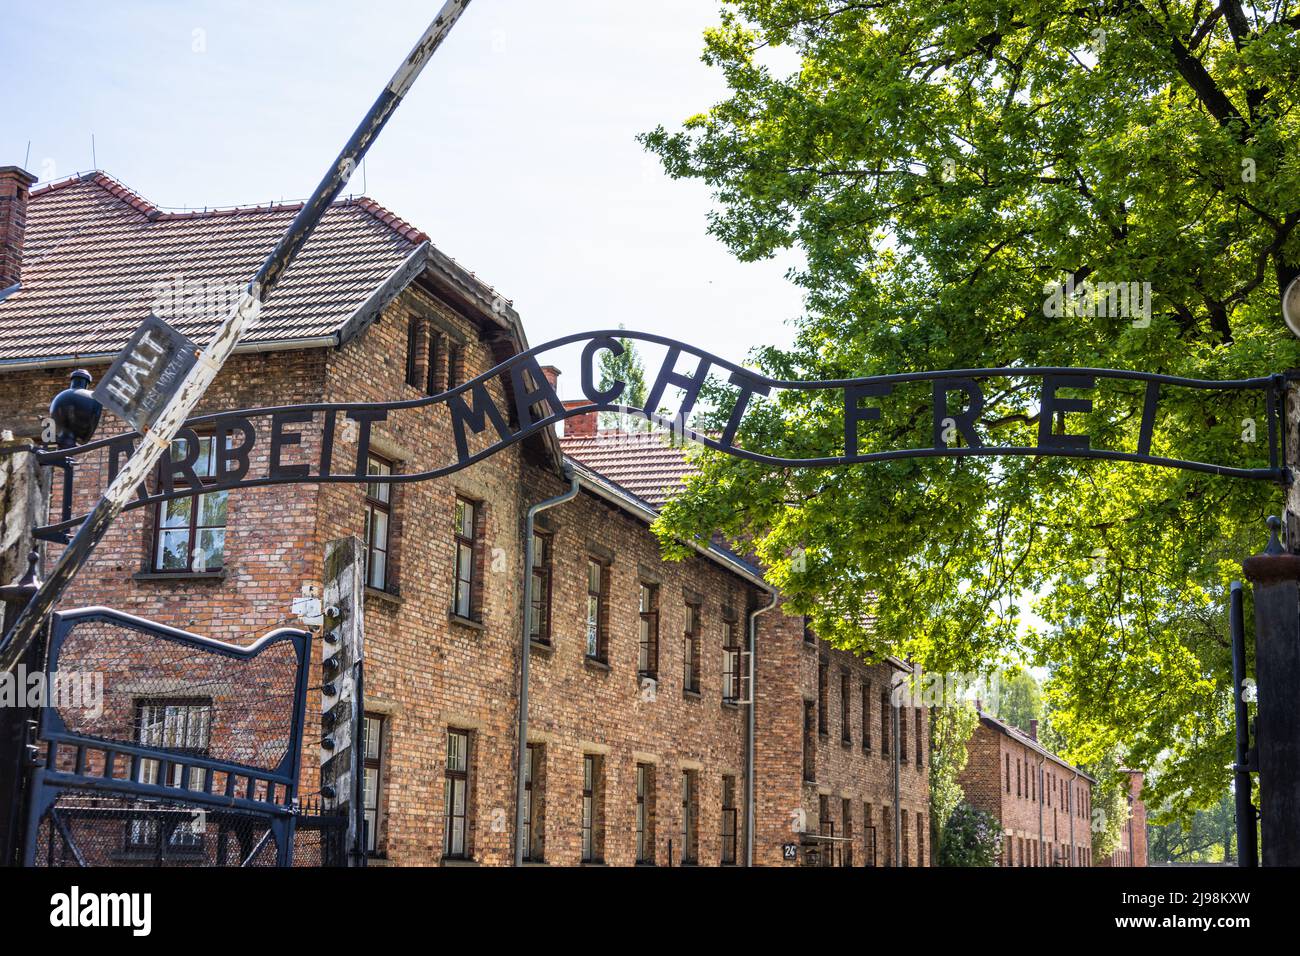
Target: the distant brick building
pixel 639 741
pixel 1042 803
pixel 1132 849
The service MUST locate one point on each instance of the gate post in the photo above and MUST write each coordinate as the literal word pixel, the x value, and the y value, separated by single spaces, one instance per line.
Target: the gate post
pixel 1275 575
pixel 24 498
pixel 342 707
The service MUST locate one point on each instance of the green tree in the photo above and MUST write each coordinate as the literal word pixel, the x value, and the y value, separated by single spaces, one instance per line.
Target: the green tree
pixel 627 368
pixel 1019 700
pixel 1209 837
pixel 951 728
pixel 973 838
pixel 943 167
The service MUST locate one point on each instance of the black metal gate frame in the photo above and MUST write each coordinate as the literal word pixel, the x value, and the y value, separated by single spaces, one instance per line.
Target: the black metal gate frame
pixel 277 808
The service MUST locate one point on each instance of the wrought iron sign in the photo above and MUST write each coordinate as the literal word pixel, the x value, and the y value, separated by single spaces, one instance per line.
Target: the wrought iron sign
pixel 306 443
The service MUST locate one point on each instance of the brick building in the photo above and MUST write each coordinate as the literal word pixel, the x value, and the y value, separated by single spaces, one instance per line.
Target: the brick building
pixel 1132 849
pixel 642 715
pixel 1043 804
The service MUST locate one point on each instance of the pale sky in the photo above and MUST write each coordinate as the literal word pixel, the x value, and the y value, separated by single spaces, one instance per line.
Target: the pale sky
pixel 515 151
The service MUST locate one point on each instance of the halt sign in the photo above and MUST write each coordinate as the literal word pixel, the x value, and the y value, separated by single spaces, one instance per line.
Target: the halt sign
pixel 147 372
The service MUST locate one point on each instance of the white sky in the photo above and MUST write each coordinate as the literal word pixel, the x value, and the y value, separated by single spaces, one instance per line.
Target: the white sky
pixel 515 151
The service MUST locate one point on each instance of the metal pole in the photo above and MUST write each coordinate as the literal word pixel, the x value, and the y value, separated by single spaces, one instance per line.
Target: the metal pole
pixel 525 644
pixel 751 728
pixel 157 440
pixel 1246 817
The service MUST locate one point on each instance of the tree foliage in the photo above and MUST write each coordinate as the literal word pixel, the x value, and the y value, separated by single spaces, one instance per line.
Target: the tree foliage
pixel 951 728
pixel 1019 699
pixel 973 838
pixel 625 367
pixel 940 167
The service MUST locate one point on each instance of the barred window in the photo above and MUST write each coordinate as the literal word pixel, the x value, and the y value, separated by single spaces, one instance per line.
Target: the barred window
pixel 183 726
pixel 645 835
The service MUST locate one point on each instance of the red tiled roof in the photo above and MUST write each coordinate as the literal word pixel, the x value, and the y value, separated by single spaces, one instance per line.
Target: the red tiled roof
pixel 642 463
pixel 95 254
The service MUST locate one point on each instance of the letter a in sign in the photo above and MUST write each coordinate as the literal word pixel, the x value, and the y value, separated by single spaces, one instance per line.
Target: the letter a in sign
pixel 147 372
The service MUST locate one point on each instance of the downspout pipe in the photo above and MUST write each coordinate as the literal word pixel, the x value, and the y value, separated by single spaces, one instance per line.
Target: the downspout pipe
pixel 897 714
pixel 530 524
pixel 1070 805
pixel 751 724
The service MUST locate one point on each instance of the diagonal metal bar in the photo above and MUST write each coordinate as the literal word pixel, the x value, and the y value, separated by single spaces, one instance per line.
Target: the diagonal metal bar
pixel 158 439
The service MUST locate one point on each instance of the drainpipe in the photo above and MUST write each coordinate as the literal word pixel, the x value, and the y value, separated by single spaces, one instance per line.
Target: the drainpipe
pixel 750 727
pixel 524 653
pixel 1074 859
pixel 898 810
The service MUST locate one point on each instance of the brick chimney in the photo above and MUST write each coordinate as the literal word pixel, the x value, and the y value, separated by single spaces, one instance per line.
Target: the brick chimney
pixel 1033 728
pixel 579 426
pixel 552 375
pixel 15 186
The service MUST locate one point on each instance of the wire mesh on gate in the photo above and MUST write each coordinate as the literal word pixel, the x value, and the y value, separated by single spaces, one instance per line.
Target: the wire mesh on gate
pixel 158 747
pixel 110 830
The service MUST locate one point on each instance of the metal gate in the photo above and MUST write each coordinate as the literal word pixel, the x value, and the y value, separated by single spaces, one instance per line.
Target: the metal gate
pixel 158 747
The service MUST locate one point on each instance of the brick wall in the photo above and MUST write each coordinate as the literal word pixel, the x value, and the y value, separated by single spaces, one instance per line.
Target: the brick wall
pixel 428 671
pixel 1043 808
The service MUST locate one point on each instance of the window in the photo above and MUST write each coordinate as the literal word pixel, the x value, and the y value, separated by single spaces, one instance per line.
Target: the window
pixel 730 819
pixel 905 858
pixel 846 811
pixel 432 375
pixel 414 338
pixel 846 731
pixel 645 802
pixel 1008 773
pixel 887 827
pixel 539 615
pixel 826 827
pixel 691 650
pixel 184 727
pixel 730 663
pixel 647 659
pixel 597 623
pixel 809 740
pixel 920 738
pixel 466 557
pixel 869 836
pixel 455 845
pixel 191 532
pixel 866 715
pixel 822 718
pixel 885 710
pixel 455 365
pixel 920 839
pixel 902 734
pixel 372 744
pixel 690 817
pixel 592 811
pixel 534 803
pixel 378 518
pixel 808 636
pixel 1019 778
